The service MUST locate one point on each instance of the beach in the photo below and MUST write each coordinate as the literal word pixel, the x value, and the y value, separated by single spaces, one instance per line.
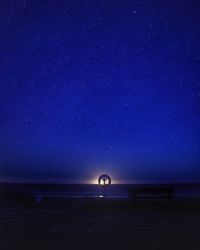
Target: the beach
pixel 101 223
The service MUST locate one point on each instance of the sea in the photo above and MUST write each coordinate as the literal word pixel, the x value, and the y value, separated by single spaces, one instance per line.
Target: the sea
pixel 188 190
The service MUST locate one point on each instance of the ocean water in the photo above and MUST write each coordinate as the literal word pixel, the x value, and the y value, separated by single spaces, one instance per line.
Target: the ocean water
pixel 89 190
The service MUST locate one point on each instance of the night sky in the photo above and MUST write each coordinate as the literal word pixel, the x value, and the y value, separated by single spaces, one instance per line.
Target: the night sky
pixel 91 87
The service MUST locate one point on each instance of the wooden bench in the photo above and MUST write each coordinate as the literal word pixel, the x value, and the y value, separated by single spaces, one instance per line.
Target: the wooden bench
pixel 151 192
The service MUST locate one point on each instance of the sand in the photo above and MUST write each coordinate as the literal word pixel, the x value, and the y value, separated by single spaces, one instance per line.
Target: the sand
pixel 99 224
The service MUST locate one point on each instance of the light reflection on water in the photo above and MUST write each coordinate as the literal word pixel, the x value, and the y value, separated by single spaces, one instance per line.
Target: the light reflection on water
pixel 88 190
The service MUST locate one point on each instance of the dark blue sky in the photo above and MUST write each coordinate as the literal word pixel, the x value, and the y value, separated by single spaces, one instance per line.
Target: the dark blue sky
pixel 88 87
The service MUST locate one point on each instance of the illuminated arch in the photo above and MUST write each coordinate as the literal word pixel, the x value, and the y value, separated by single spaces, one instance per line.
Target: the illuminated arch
pixel 104 180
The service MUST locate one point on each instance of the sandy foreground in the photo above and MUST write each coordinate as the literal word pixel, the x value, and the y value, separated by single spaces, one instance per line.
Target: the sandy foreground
pixel 99 224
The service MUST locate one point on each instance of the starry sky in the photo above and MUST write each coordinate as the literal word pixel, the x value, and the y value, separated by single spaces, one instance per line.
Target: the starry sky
pixel 90 87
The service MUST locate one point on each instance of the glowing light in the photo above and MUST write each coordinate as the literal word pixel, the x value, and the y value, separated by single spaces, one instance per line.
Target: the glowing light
pixel 104 180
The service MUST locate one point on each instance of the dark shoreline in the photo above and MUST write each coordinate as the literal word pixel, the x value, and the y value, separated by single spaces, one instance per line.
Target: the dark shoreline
pixel 96 223
pixel 101 224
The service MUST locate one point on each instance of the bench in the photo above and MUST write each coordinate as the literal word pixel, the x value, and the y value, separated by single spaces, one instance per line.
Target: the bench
pixel 151 192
